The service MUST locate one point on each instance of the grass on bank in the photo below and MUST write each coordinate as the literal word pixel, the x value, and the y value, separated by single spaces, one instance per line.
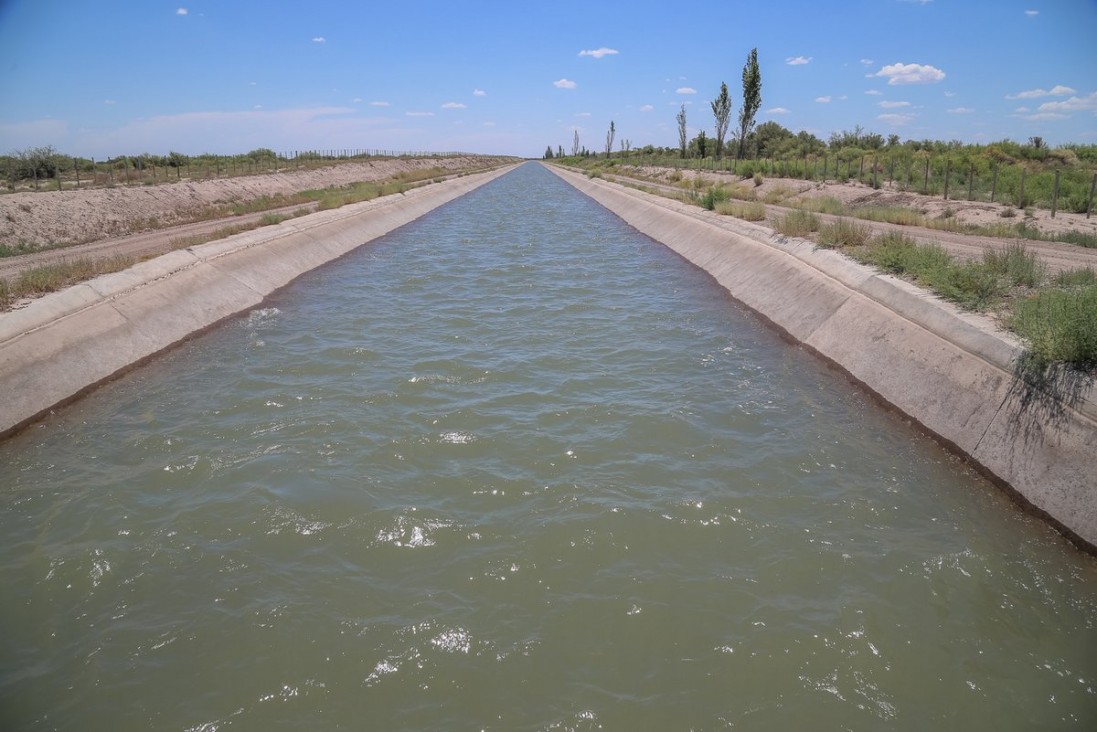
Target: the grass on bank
pixel 53 277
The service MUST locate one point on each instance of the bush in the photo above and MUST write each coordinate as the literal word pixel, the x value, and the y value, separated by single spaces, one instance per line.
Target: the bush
pixel 714 196
pixel 797 223
pixel 1016 265
pixel 1059 325
pixel 748 211
pixel 757 179
pixel 844 233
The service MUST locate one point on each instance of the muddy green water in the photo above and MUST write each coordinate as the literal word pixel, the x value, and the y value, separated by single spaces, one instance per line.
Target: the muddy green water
pixel 517 467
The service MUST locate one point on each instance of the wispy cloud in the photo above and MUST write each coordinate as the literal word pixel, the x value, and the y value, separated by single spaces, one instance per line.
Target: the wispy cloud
pixel 901 73
pixel 454 105
pixel 896 120
pixel 823 100
pixel 685 90
pixel 867 62
pixel 798 60
pixel 600 52
pixel 1032 13
pixel 874 93
pixel 646 108
pixel 960 110
pixel 893 105
pixel 419 114
pixel 1056 91
pixel 181 11
pixel 778 110
pixel 564 84
pixel 479 93
pixel 319 39
pixel 1074 104
pixel 380 104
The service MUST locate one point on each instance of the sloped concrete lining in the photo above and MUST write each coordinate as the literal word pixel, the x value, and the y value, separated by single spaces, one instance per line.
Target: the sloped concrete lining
pixel 951 372
pixel 64 344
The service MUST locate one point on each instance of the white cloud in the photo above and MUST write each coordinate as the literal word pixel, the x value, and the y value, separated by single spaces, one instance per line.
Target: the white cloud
pixel 479 93
pixel 798 60
pixel 901 73
pixel 822 100
pixel 874 93
pixel 181 11
pixel 960 110
pixel 867 62
pixel 419 114
pixel 454 105
pixel 582 114
pixel 1032 13
pixel 1056 91
pixel 379 104
pixel 1043 116
pixel 778 110
pixel 600 52
pixel 646 108
pixel 893 105
pixel 489 124
pixel 109 101
pixel 319 39
pixel 564 84
pixel 685 90
pixel 1021 110
pixel 895 119
pixel 1074 104
pixel 950 94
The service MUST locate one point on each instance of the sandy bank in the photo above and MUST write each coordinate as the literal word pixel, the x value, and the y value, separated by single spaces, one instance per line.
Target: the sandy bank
pixel 64 344
pixel 951 372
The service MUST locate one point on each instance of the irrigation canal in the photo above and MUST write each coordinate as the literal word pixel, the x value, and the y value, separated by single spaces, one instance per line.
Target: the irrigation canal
pixel 515 466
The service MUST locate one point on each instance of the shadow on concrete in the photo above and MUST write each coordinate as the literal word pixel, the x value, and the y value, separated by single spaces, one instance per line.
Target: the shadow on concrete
pixel 1042 396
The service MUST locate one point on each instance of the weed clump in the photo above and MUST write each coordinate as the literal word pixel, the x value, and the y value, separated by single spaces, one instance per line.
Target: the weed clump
pixel 797 223
pixel 844 233
pixel 746 210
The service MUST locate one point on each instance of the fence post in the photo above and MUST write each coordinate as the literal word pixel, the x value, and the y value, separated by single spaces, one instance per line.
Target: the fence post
pixel 1055 194
pixel 824 168
pixel 34 169
pixel 994 185
pixel 970 181
pixel 76 169
pixel 948 168
pixel 1092 186
pixel 925 181
pixel 861 170
pixel 1021 202
pixel 875 182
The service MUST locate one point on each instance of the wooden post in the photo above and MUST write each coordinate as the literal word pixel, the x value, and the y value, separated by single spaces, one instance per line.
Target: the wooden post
pixel 875 182
pixel 994 185
pixel 970 181
pixel 1092 186
pixel 948 168
pixel 1055 194
pixel 925 181
pixel 861 170
pixel 76 169
pixel 824 168
pixel 1021 202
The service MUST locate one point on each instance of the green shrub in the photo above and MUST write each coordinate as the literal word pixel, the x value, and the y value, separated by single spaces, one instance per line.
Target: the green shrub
pixel 823 204
pixel 713 196
pixel 844 233
pixel 748 211
pixel 1016 265
pixel 1059 325
pixel 757 179
pixel 890 215
pixel 1084 277
pixel 1080 238
pixel 797 223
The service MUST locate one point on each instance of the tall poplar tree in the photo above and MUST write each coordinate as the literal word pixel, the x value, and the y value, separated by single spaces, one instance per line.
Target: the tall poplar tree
pixel 721 110
pixel 752 98
pixel 683 137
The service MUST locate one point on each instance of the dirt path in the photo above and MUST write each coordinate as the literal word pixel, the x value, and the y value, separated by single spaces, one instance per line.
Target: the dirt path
pixel 1059 256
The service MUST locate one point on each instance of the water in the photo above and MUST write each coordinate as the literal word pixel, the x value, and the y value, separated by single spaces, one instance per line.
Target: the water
pixel 517 467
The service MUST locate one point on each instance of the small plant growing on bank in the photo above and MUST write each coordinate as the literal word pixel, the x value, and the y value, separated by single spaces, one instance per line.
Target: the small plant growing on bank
pixel 758 180
pixel 714 196
pixel 746 210
pixel 844 233
pixel 1058 326
pixel 1008 212
pixel 1018 266
pixel 797 223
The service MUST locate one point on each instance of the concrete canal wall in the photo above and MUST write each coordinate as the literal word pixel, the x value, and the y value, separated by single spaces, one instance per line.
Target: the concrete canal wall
pixel 951 372
pixel 62 345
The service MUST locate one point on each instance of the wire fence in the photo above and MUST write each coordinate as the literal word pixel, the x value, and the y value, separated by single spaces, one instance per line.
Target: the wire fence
pixel 969 179
pixel 62 172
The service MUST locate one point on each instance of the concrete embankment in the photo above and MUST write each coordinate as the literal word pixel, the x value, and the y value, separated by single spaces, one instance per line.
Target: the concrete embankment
pixel 951 372
pixel 62 345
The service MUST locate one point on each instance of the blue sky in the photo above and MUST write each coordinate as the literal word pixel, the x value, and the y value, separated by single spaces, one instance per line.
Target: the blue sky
pixel 118 77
